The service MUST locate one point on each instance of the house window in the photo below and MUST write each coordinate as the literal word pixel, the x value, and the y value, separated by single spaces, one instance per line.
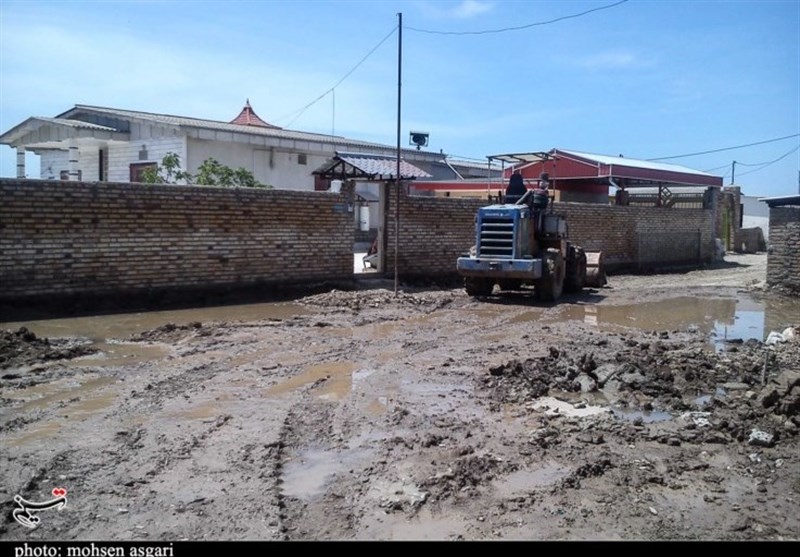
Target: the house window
pixel 137 168
pixel 301 159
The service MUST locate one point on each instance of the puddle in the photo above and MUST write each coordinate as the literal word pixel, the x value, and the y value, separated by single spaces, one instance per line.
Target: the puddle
pixel 553 406
pixel 705 400
pixel 380 331
pixel 337 332
pixel 120 354
pixel 527 316
pixel 305 476
pixel 727 318
pixel 522 482
pixel 41 397
pixel 643 416
pixel 338 384
pixel 671 314
pixel 100 329
pixel 122 325
pixel 44 395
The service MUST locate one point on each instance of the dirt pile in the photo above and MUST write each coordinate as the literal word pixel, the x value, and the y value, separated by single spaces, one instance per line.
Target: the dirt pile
pixel 747 393
pixel 22 347
pixel 360 300
pixel 170 332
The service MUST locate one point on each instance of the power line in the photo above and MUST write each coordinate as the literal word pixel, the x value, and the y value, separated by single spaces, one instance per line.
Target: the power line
pixel 298 113
pixel 517 28
pixel 717 168
pixel 725 148
pixel 766 164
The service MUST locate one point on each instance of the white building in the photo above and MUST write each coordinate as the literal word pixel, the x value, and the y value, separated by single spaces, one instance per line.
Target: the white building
pixel 755 214
pixel 96 144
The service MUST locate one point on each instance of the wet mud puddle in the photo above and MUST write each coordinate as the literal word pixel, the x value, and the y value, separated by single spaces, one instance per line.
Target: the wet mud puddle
pixel 72 399
pixel 723 319
pixel 107 333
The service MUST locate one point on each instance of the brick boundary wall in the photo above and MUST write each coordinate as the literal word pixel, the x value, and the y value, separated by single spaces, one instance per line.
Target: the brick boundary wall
pixel 783 260
pixel 61 239
pixel 749 240
pixel 435 231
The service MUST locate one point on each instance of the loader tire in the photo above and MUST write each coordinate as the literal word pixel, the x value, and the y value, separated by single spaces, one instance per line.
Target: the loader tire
pixel 576 270
pixel 551 285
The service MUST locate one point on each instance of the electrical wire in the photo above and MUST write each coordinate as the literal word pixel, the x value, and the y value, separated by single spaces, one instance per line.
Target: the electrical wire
pixel 717 168
pixel 517 28
pixel 768 163
pixel 725 148
pixel 301 111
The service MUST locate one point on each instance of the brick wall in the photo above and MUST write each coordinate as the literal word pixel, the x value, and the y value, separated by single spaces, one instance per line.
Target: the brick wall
pixel 434 231
pixel 61 238
pixel 783 261
pixel 749 240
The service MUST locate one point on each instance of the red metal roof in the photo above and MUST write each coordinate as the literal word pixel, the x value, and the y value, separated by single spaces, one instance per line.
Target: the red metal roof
pixel 573 165
pixel 248 117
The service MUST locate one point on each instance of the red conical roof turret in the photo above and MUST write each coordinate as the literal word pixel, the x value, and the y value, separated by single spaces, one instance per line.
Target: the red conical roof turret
pixel 248 117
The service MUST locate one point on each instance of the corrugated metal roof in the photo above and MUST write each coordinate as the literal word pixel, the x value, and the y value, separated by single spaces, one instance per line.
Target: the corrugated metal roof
pixel 36 122
pixel 371 166
pixel 382 166
pixel 781 201
pixel 73 123
pixel 182 121
pixel 633 163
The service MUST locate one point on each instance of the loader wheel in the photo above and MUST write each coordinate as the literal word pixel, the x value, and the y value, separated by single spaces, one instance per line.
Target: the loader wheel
pixel 550 286
pixel 476 286
pixel 576 270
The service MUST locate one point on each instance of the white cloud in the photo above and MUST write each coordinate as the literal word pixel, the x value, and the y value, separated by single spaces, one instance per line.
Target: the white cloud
pixel 444 11
pixel 470 8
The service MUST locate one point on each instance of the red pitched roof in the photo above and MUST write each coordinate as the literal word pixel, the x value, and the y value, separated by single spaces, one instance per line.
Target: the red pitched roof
pixel 248 117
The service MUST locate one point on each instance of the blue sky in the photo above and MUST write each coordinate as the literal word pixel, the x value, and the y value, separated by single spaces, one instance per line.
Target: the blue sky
pixel 645 78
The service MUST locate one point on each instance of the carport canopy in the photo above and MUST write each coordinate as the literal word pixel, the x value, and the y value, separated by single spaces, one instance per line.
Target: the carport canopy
pixel 367 167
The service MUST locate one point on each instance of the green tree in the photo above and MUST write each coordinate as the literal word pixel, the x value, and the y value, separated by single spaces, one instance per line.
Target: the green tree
pixel 168 172
pixel 210 173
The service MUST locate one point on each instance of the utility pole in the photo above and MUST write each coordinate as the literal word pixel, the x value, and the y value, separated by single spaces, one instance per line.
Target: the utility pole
pixel 733 171
pixel 397 175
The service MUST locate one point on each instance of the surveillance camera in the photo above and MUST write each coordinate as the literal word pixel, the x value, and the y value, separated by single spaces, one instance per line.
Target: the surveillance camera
pixel 420 139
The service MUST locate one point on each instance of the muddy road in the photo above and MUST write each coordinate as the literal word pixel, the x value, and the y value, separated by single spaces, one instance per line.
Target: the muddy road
pixel 649 409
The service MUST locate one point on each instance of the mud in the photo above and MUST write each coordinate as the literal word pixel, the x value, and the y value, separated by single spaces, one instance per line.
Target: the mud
pixel 649 409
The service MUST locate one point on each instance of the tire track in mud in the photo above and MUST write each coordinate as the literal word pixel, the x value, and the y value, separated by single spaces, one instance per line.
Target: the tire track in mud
pixel 308 509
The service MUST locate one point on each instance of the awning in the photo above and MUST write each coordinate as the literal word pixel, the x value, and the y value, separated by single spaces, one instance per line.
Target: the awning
pixel 50 133
pixel 368 167
pixel 517 158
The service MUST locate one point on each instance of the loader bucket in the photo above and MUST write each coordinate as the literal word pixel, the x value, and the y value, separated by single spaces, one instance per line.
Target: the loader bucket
pixel 595 270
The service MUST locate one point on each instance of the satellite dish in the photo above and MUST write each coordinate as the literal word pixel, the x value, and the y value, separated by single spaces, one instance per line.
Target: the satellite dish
pixel 420 139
